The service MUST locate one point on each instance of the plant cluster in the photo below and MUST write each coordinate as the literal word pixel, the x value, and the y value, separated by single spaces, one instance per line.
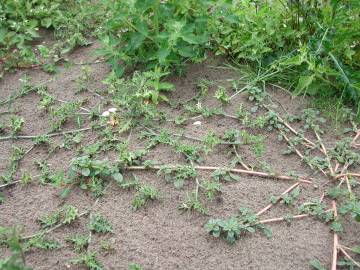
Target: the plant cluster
pixel 235 227
pixel 155 33
pixel 21 21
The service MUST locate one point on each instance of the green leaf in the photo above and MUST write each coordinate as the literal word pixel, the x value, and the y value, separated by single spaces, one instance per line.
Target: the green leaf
pixel 85 171
pixel 179 183
pixel 46 22
pixel 3 33
pixel 303 84
pixel 356 250
pixel 118 177
pixel 316 264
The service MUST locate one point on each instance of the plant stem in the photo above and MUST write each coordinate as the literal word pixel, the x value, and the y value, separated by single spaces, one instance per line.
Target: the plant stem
pixel 25 137
pixel 336 240
pixel 342 249
pixel 325 153
pixel 271 220
pixel 213 168
pixel 278 199
pixel 52 228
pixel 240 159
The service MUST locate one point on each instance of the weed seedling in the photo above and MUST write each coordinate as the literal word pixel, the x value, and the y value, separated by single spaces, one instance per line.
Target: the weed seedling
pixel 192 202
pixel 222 96
pixel 80 242
pixel 88 260
pixel 100 224
pixel 144 193
pixel 16 124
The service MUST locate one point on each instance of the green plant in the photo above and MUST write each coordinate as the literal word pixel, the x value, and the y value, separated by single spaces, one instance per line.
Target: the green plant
pixel 90 173
pixel 17 155
pixel 144 194
pixel 316 264
pixel 41 242
pixel 351 207
pixel 288 198
pixel 134 266
pixel 317 209
pixel 154 33
pixel 88 260
pixel 224 175
pixel 66 215
pixel 221 95
pixel 11 238
pixel 251 32
pixel 100 224
pixel 107 246
pixel 192 202
pixel 16 125
pixel 61 114
pixel 234 227
pixel 80 242
pixel 191 153
pixel 212 188
pixel 72 21
pixel 178 175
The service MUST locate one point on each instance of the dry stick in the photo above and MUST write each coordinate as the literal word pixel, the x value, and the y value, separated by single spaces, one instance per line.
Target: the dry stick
pixel 348 184
pixel 357 136
pixel 342 249
pixel 299 153
pixel 336 241
pixel 17 181
pixel 325 153
pixel 347 174
pixel 346 165
pixel 197 183
pixel 270 220
pixel 293 130
pixel 48 135
pixel 238 92
pixel 10 184
pixel 239 158
pixel 213 168
pixel 296 150
pixel 278 199
pixel 51 229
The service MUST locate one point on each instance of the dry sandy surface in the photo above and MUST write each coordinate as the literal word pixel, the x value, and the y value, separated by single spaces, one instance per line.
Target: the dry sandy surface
pixel 159 236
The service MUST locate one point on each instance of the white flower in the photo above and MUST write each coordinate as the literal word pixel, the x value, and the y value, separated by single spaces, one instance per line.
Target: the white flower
pixel 197 123
pixel 105 114
pixel 112 110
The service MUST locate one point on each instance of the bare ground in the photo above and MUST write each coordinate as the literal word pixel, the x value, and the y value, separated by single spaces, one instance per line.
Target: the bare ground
pixel 160 236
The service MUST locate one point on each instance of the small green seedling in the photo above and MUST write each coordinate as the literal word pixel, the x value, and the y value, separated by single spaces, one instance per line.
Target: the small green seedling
pixel 100 224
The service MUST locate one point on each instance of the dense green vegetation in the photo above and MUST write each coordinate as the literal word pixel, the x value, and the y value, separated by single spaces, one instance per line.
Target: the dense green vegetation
pixel 310 47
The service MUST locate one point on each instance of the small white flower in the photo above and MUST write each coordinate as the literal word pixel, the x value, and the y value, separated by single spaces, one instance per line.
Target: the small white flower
pixel 105 114
pixel 112 110
pixel 197 123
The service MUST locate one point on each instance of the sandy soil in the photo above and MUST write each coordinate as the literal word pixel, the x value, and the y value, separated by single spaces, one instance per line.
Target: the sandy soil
pixel 160 236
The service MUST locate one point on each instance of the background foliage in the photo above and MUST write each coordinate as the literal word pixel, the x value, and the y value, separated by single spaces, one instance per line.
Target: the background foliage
pixel 309 46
